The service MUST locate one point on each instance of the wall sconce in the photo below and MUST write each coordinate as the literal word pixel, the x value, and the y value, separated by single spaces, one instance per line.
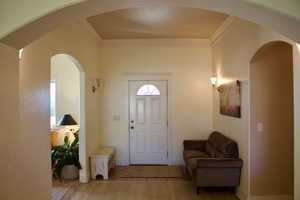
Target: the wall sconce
pixel 214 81
pixel 97 84
pixel 217 82
pixel 20 53
pixel 298 46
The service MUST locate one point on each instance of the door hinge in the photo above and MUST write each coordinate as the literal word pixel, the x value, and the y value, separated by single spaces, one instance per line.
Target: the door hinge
pixel 167 154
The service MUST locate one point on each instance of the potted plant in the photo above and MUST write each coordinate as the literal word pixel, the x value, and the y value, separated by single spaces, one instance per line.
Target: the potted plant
pixel 65 159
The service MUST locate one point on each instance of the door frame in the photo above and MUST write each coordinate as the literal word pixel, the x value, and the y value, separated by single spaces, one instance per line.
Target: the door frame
pixel 141 83
pixel 152 77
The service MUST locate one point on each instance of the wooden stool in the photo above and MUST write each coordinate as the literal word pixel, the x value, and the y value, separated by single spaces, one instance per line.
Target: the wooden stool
pixel 102 161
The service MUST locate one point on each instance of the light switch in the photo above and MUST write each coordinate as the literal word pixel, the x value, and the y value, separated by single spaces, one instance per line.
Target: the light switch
pixel 116 117
pixel 260 127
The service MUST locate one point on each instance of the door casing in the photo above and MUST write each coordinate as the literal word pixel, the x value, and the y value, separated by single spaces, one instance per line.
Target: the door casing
pixel 164 128
pixel 126 77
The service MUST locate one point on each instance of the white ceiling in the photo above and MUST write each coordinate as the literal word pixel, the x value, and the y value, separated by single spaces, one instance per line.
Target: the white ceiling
pixel 152 23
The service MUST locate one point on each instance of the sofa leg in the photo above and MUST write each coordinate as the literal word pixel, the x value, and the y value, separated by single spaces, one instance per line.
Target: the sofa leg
pixel 198 190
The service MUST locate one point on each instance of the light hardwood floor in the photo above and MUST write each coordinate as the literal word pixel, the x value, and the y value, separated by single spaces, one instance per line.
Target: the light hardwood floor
pixel 144 189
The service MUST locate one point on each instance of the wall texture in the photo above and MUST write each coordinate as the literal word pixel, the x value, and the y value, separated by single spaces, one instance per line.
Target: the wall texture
pixel 271 92
pixel 67 80
pixel 10 122
pixel 187 63
pixel 83 45
pixel 232 54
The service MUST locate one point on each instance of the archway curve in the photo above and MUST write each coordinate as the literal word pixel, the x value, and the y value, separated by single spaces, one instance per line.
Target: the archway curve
pixel 274 56
pixel 245 10
pixel 83 176
pixel 267 45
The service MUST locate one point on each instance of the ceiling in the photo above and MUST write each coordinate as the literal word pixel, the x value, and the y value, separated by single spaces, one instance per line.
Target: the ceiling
pixel 157 23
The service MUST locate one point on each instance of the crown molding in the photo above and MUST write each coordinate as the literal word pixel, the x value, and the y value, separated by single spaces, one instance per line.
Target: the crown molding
pixel 90 28
pixel 220 31
pixel 155 42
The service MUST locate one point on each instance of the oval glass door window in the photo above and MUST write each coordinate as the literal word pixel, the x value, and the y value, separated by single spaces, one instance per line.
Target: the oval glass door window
pixel 148 90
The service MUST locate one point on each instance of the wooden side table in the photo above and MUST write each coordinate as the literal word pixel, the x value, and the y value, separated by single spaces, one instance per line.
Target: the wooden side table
pixel 102 161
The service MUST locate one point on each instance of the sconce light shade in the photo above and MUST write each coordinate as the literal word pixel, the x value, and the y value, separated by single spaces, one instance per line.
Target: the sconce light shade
pixel 20 54
pixel 213 80
pixel 67 120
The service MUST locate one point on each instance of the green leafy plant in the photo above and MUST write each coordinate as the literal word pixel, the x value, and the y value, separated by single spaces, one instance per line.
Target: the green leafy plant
pixel 66 154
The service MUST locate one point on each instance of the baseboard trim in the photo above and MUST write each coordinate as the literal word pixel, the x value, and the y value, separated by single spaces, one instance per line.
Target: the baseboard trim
pixel 275 197
pixel 177 162
pixel 122 162
pixel 126 162
pixel 241 195
pixel 84 178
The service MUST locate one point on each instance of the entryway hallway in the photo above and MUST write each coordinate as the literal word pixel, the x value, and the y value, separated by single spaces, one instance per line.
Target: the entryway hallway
pixel 144 189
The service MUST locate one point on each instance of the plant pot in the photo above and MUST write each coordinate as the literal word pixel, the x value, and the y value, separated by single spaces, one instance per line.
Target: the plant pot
pixel 70 172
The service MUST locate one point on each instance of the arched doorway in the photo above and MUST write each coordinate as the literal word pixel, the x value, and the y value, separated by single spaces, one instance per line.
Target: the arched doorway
pixel 113 6
pixel 69 78
pixel 272 120
pixel 62 13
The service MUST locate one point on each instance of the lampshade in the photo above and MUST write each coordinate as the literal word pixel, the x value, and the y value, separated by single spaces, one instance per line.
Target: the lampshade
pixel 67 120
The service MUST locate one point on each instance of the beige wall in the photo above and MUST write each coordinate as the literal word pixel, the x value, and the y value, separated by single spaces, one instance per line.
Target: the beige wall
pixel 67 80
pixel 10 134
pixel 187 65
pixel 232 53
pixel 83 45
pixel 271 75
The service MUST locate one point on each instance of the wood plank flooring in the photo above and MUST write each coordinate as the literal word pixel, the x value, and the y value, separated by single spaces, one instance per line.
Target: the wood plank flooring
pixel 144 189
pixel 60 188
pixel 121 172
pixel 119 188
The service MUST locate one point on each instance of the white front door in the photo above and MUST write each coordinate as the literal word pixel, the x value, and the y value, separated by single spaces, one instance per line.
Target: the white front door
pixel 148 122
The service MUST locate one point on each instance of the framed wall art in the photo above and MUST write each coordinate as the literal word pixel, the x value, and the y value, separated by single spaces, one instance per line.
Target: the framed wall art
pixel 230 99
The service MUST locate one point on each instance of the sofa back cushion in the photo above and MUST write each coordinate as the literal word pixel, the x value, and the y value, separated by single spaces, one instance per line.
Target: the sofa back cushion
pixel 211 150
pixel 227 147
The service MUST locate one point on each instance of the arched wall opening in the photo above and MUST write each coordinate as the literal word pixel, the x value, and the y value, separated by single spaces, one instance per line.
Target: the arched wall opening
pixel 61 14
pixel 272 121
pixel 69 78
pixel 21 38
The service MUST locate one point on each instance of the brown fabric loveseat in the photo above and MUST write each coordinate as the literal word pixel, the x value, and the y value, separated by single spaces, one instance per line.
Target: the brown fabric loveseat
pixel 214 162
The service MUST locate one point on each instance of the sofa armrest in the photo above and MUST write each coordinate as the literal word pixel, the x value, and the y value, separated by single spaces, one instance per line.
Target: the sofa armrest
pixel 194 145
pixel 219 163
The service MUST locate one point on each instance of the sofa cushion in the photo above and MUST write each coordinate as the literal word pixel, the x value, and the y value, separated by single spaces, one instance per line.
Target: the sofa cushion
pixel 198 145
pixel 227 147
pixel 192 164
pixel 210 150
pixel 188 154
pixel 229 150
